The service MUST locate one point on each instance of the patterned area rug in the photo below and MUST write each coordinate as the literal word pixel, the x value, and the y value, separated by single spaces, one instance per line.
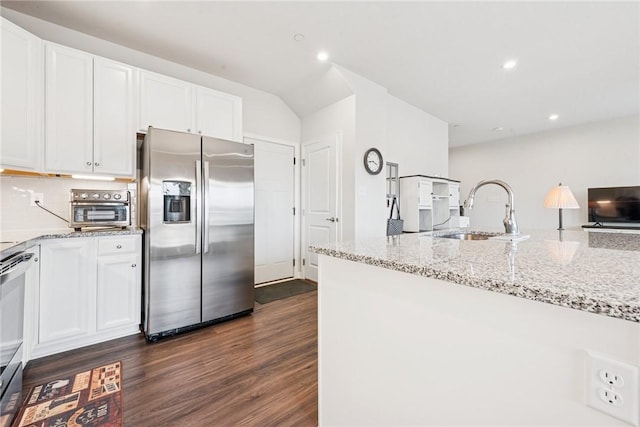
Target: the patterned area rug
pixel 90 398
pixel 268 293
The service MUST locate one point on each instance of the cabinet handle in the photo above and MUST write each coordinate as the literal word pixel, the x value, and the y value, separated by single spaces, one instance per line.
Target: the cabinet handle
pixel 97 163
pixel 133 265
pixel 119 247
pixel 88 163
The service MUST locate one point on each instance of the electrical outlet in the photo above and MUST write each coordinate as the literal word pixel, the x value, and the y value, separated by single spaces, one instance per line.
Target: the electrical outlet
pixel 611 378
pixel 36 196
pixel 613 387
pixel 610 397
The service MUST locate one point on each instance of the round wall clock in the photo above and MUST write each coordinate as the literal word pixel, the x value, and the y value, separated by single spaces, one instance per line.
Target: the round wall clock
pixel 373 161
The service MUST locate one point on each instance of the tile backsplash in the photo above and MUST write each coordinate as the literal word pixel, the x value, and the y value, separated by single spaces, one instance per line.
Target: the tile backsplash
pixel 15 196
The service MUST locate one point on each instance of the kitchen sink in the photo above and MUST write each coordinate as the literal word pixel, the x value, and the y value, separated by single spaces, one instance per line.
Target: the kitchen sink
pixel 468 236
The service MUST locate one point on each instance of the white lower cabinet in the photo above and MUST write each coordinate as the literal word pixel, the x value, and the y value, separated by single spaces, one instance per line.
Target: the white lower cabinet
pixel 89 291
pixel 118 301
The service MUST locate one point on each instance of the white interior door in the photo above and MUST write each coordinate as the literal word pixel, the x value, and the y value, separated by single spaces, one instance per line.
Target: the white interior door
pixel 274 215
pixel 320 199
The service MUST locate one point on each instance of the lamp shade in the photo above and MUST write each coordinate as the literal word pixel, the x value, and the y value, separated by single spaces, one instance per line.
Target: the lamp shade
pixel 561 197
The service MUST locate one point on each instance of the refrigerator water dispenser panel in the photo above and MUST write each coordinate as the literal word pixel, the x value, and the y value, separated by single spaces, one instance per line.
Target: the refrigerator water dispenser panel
pixel 177 201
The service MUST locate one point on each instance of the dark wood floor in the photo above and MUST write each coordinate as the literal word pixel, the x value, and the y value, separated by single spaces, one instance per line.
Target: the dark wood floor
pixel 258 370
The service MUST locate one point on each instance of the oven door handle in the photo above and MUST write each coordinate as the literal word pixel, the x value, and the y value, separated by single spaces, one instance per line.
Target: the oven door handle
pixel 15 266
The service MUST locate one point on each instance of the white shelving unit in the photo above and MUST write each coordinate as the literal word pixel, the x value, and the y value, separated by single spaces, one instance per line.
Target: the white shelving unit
pixel 428 203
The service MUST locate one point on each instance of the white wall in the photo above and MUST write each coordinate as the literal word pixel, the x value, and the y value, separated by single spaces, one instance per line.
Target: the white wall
pixel 599 154
pixel 417 141
pixel 404 134
pixel 370 132
pixel 263 113
pixel 338 118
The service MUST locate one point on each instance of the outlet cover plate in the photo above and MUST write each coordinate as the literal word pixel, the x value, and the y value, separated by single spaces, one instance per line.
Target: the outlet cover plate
pixel 36 196
pixel 629 410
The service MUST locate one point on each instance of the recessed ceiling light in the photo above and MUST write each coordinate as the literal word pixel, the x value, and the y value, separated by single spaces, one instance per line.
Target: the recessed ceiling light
pixel 553 117
pixel 498 129
pixel 298 37
pixel 322 56
pixel 510 64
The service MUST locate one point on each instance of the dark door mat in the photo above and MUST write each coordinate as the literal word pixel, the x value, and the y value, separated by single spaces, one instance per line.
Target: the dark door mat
pixel 268 293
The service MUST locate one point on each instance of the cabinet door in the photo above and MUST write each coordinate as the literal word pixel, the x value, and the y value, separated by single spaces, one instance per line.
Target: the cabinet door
pixel 114 133
pixel 218 114
pixel 21 143
pixel 118 291
pixel 67 289
pixel 68 110
pixel 425 193
pixel 165 103
pixel 454 195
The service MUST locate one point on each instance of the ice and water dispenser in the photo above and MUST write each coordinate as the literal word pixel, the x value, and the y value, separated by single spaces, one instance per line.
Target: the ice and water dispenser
pixel 177 201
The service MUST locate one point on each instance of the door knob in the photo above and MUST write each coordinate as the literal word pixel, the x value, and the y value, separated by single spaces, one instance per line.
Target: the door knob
pixel 332 219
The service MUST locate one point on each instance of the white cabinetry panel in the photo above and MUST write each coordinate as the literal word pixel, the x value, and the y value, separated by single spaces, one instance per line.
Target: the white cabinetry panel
pixel 118 292
pixel 22 100
pixel 428 203
pixel 67 289
pixel 89 114
pixel 218 114
pixel 68 110
pixel 89 292
pixel 165 103
pixel 173 104
pixel 114 132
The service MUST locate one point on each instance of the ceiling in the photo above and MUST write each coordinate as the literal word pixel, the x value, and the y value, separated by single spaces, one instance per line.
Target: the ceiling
pixel 580 60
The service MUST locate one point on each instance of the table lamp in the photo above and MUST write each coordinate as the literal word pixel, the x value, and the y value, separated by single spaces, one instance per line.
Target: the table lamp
pixel 560 197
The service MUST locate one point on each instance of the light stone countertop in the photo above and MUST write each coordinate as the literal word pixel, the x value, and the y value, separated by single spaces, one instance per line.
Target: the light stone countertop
pixel 593 272
pixel 13 241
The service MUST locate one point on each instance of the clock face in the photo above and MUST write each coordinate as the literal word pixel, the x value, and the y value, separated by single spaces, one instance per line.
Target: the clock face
pixel 373 161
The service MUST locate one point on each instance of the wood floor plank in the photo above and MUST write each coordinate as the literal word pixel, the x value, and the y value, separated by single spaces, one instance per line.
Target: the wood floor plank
pixel 258 370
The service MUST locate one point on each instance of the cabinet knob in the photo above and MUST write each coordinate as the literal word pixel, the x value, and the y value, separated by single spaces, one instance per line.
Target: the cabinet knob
pixel 119 247
pixel 97 163
pixel 35 259
pixel 133 265
pixel 88 163
pixel 200 132
pixel 188 130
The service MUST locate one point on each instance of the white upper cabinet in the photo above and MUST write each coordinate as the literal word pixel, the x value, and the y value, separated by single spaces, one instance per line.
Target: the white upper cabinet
pixel 22 100
pixel 68 110
pixel 165 103
pixel 169 103
pixel 89 114
pixel 218 114
pixel 114 129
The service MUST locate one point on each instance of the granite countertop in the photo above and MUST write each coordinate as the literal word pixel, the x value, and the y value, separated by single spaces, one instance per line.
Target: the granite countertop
pixel 13 241
pixel 593 272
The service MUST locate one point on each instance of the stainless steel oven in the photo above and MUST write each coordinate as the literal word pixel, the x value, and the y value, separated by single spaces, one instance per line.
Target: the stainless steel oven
pixel 103 208
pixel 12 290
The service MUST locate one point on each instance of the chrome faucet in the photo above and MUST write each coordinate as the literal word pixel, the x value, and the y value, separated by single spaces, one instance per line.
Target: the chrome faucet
pixel 509 221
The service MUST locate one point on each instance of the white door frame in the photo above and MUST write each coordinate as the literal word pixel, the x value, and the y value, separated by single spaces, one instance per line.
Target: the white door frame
pixel 338 191
pixel 297 271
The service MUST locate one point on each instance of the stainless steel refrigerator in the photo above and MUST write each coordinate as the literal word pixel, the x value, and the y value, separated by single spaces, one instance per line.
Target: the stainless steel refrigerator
pixel 196 207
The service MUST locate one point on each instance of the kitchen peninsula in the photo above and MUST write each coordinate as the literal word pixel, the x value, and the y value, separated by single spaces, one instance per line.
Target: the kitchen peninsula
pixel 424 330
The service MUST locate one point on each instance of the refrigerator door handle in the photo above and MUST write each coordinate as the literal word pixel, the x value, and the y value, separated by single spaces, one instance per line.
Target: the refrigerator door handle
pixel 199 204
pixel 205 203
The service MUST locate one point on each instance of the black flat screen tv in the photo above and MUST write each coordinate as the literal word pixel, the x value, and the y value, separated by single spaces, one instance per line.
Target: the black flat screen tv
pixel 614 205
